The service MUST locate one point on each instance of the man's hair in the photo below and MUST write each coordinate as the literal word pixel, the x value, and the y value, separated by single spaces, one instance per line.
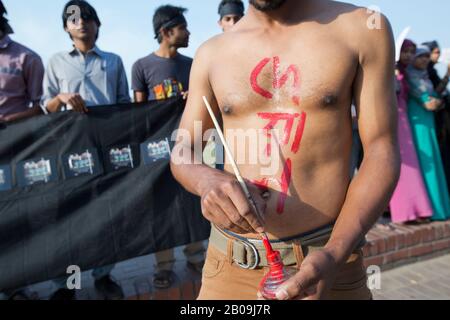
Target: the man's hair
pixel 4 25
pixel 236 2
pixel 86 11
pixel 163 16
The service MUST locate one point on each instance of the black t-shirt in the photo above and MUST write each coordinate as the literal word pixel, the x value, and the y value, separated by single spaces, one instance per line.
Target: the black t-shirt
pixel 161 78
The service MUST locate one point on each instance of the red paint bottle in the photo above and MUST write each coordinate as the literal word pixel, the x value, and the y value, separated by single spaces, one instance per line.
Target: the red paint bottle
pixel 278 273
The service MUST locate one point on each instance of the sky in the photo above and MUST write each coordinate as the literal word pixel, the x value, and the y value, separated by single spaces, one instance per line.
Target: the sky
pixel 127 25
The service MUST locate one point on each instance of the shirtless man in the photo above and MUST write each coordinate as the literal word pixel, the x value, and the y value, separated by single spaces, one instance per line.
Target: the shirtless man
pixel 303 60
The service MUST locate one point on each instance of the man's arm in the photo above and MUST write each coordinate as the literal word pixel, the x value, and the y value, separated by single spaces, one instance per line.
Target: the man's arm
pixel 138 83
pixel 33 73
pixel 371 190
pixel 223 201
pixel 140 96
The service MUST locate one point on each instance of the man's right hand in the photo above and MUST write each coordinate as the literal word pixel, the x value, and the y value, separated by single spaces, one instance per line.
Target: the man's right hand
pixel 75 100
pixel 224 204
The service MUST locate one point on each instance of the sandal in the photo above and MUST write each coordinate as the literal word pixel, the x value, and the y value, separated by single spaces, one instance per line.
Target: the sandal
pixel 164 279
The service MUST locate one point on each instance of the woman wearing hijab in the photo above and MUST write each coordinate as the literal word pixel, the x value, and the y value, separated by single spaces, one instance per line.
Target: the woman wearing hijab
pixel 410 201
pixel 422 103
pixel 443 116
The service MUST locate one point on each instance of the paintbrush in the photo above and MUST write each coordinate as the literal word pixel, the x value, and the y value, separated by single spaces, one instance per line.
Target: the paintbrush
pixel 236 170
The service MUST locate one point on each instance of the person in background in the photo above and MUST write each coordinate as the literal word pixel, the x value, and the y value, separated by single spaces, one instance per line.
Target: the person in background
pixel 21 74
pixel 77 79
pixel 422 103
pixel 161 75
pixel 442 116
pixel 84 76
pixel 410 201
pixel 230 12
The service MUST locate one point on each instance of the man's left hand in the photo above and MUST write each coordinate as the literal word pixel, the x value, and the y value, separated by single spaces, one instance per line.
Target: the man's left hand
pixel 317 275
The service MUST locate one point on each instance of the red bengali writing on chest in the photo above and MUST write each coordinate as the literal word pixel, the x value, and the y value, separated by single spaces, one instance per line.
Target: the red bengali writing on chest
pixel 279 81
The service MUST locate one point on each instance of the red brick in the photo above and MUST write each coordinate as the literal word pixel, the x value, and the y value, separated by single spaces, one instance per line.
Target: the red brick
pixel 366 250
pixel 417 235
pixel 187 291
pixel 174 294
pixel 379 243
pixel 447 229
pixel 133 298
pixel 396 256
pixel 410 237
pixel 400 240
pixel 161 295
pixel 441 245
pixel 439 231
pixel 422 250
pixel 391 243
pixel 428 232
pixel 374 261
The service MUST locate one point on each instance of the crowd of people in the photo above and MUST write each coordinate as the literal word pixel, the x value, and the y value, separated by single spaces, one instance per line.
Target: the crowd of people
pixel 87 76
pixel 422 193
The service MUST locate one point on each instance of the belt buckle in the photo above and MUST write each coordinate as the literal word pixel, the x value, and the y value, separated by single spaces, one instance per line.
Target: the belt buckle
pixel 247 266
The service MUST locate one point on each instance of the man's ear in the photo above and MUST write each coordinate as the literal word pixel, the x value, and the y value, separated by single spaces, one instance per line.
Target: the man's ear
pixel 165 33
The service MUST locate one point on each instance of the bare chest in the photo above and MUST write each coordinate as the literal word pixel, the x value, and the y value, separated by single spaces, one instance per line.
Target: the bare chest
pixel 309 75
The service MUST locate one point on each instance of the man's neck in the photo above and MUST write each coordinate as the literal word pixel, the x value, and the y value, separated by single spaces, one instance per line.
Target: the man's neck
pixel 84 46
pixel 288 13
pixel 166 51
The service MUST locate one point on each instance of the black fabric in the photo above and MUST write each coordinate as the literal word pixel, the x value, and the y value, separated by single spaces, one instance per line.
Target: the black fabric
pixel 98 219
pixel 231 8
pixel 176 21
pixel 442 118
pixel 433 74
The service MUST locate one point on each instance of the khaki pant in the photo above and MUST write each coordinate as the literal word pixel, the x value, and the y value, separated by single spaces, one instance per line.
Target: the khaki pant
pixel 224 280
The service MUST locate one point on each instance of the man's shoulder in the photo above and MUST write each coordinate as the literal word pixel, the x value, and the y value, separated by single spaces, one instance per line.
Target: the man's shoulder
pixel 24 49
pixel 365 29
pixel 141 62
pixel 110 55
pixel 361 20
pixel 214 45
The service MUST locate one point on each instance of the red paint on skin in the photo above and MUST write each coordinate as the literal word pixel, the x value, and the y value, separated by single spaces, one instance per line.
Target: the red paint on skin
pixel 274 118
pixel 262 185
pixel 299 135
pixel 285 184
pixel 254 79
pixel 279 80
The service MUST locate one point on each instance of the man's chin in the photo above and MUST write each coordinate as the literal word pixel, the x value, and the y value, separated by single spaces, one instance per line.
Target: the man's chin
pixel 267 5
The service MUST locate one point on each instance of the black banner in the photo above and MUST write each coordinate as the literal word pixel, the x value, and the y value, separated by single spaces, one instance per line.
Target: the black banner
pixel 91 190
